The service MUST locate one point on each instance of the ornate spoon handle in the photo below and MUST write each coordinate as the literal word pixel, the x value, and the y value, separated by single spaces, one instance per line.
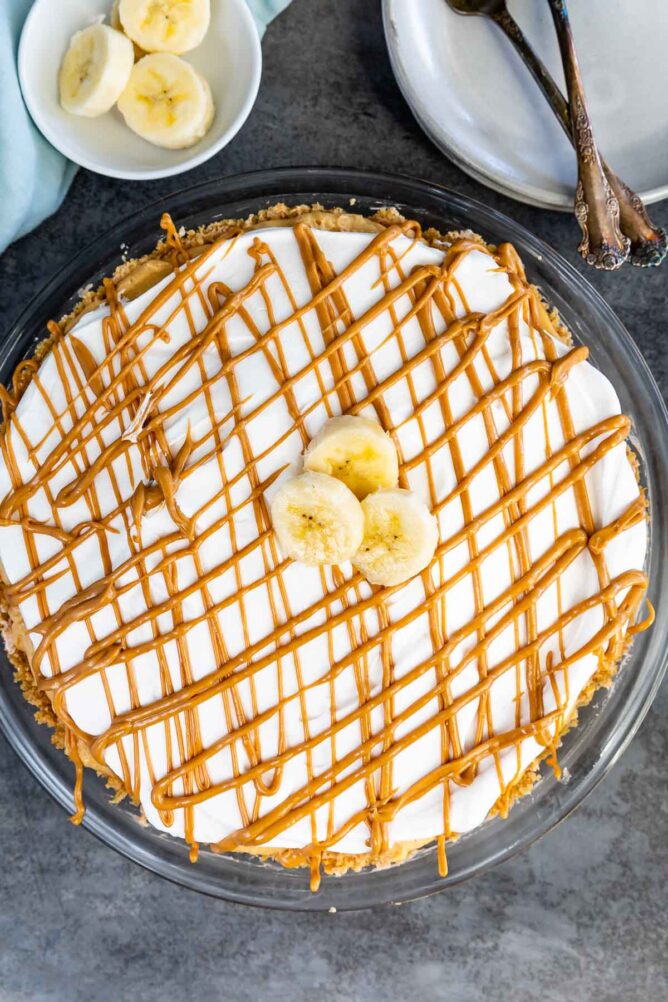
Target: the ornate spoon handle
pixel 649 243
pixel 596 208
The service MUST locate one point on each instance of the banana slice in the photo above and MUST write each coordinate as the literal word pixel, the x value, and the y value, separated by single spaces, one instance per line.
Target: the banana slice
pixel 165 25
pixel 356 451
pixel 95 70
pixel 114 16
pixel 115 22
pixel 317 519
pixel 400 537
pixel 167 102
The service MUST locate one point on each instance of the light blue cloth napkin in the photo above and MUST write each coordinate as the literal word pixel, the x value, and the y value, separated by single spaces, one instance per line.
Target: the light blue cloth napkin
pixel 34 177
pixel 265 11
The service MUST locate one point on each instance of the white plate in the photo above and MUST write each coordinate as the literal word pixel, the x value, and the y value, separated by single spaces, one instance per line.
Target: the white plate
pixel 472 95
pixel 230 58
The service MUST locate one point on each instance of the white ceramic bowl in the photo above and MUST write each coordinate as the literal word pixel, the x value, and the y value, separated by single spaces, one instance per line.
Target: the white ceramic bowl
pixel 230 58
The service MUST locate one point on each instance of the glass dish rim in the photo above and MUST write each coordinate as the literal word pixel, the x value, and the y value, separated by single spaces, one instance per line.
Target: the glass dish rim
pixel 264 188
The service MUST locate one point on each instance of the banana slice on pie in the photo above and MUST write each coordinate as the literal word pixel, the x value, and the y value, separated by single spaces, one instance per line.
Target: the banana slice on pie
pixel 400 537
pixel 356 451
pixel 317 519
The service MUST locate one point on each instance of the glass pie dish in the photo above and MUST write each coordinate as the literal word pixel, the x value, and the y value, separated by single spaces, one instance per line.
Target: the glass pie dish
pixel 606 725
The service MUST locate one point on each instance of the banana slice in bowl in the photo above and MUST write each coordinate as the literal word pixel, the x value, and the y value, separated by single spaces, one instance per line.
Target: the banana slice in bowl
pixel 167 102
pixel 400 537
pixel 175 26
pixel 356 451
pixel 95 70
pixel 317 519
pixel 115 22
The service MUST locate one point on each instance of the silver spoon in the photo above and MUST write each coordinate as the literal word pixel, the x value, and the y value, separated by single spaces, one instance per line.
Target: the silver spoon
pixel 648 243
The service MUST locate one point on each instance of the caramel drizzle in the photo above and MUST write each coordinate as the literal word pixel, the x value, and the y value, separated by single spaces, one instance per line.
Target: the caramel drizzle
pixel 117 414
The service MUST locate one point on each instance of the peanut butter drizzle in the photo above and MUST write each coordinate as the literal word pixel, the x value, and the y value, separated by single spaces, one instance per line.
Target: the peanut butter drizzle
pixel 119 395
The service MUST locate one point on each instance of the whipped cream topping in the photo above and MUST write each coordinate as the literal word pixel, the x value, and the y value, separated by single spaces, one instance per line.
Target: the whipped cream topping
pixel 273 673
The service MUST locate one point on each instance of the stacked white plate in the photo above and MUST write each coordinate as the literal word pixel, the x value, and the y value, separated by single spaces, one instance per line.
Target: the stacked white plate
pixel 472 95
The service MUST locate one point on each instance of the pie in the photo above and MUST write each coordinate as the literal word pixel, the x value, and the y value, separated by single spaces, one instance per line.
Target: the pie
pixel 251 703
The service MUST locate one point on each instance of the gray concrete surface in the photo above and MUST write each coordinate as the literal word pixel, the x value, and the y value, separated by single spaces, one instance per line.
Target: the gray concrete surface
pixel 581 916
